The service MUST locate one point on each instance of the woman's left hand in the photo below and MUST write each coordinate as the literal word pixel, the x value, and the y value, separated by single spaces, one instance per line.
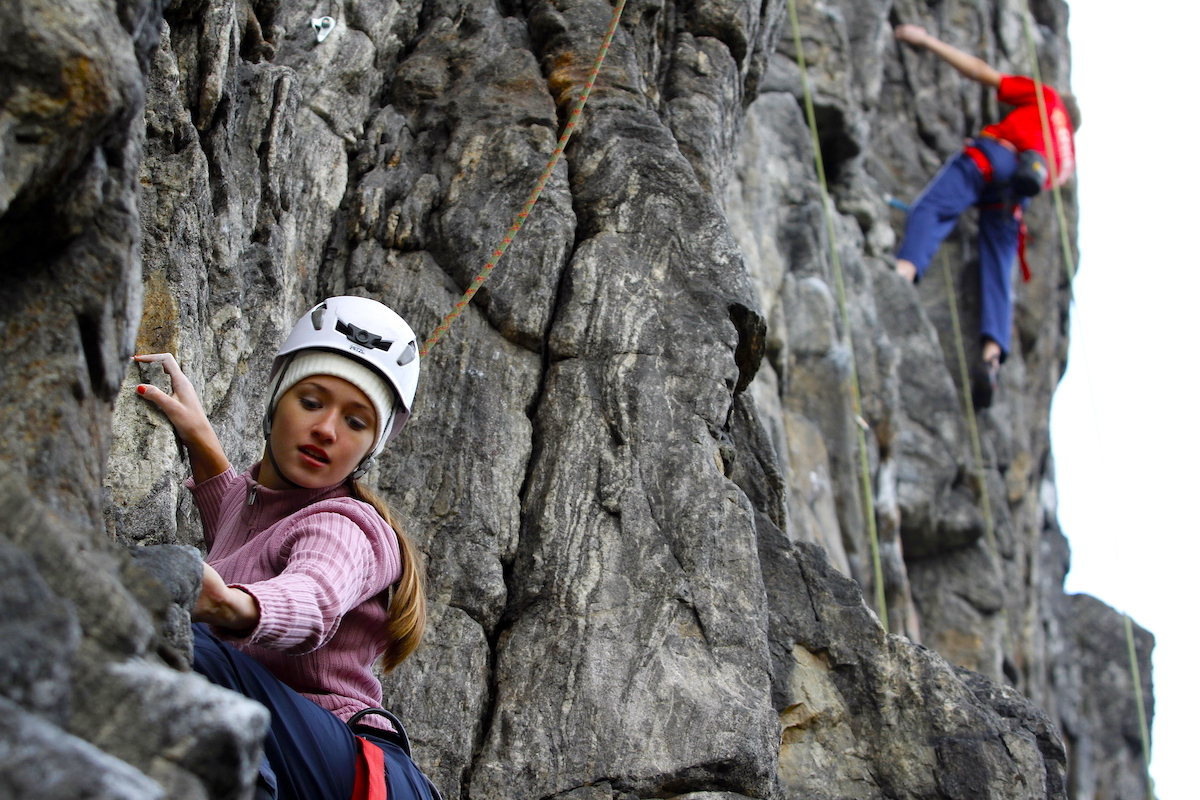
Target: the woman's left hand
pixel 224 606
pixel 185 411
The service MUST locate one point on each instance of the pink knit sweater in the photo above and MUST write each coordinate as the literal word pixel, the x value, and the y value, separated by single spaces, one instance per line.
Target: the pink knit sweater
pixel 319 563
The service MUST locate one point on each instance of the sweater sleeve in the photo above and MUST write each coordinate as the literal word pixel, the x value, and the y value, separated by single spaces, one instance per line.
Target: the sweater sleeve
pixel 332 565
pixel 208 496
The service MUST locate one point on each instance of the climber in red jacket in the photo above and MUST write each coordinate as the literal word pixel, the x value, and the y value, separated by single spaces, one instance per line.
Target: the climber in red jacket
pixel 998 170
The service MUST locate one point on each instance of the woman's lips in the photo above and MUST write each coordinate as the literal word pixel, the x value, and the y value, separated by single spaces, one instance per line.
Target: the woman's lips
pixel 314 454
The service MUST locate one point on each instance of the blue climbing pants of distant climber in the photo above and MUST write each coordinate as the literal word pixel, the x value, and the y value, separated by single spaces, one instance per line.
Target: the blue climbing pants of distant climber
pixel 959 185
pixel 309 753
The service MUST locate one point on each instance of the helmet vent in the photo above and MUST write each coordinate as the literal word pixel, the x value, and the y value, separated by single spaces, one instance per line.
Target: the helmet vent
pixel 318 316
pixel 408 354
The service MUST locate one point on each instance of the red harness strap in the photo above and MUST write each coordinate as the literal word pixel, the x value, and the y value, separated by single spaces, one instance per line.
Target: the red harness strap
pixel 981 161
pixel 1022 235
pixel 985 168
pixel 370 782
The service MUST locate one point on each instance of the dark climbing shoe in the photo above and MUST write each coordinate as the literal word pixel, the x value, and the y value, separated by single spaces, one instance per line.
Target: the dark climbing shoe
pixel 983 383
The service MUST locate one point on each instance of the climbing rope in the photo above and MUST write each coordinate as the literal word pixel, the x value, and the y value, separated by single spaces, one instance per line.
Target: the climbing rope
pixel 855 393
pixel 989 526
pixel 1068 256
pixel 569 129
pixel 1051 152
pixel 1069 261
pixel 1141 705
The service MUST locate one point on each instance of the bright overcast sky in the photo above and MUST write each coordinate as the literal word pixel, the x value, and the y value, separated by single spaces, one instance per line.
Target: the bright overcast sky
pixel 1123 441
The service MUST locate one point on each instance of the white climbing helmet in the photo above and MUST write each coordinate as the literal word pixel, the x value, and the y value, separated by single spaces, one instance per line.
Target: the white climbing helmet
pixel 368 332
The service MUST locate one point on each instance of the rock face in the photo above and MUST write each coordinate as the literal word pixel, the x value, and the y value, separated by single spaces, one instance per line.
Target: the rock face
pixel 633 466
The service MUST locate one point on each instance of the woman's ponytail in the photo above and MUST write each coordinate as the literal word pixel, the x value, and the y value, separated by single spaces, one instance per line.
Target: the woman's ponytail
pixel 406 609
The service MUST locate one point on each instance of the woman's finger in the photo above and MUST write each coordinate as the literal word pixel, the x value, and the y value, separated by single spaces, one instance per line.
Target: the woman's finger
pixel 156 395
pixel 171 367
pixel 179 381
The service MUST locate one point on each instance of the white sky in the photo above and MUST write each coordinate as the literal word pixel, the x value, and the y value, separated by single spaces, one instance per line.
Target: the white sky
pixel 1123 439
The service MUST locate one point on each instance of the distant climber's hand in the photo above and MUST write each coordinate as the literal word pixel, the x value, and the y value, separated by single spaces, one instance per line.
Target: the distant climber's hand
pixel 913 34
pixel 224 606
pixel 182 407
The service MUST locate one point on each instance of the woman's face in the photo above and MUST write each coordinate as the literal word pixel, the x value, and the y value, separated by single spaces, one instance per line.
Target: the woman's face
pixel 322 429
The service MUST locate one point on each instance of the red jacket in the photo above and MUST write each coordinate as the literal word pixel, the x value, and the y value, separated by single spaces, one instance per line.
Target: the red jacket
pixel 1023 126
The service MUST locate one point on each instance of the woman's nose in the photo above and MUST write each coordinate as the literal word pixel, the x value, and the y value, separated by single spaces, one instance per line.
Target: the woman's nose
pixel 325 427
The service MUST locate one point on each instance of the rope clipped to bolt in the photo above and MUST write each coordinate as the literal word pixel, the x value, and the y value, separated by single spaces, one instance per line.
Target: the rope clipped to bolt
pixel 569 129
pixel 855 392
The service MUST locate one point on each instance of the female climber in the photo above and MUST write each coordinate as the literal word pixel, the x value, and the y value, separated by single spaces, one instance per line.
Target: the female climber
pixel 308 581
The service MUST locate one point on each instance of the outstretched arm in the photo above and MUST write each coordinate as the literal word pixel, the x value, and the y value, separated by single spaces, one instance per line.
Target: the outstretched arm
pixel 183 409
pixel 224 606
pixel 974 68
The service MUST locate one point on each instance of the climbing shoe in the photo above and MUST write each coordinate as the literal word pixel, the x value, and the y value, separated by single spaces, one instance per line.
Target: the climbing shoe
pixel 983 382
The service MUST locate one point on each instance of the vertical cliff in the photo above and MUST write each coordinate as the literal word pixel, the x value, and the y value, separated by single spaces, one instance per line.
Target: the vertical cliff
pixel 632 468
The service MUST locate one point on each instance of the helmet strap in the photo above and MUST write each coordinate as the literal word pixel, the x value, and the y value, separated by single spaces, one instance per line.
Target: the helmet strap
pixel 275 466
pixel 269 414
pixel 267 418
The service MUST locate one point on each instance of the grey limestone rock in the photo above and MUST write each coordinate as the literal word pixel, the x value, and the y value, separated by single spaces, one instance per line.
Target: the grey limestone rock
pixel 42 762
pixel 177 568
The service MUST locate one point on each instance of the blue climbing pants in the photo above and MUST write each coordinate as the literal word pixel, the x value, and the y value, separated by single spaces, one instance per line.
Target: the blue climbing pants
pixel 309 753
pixel 958 186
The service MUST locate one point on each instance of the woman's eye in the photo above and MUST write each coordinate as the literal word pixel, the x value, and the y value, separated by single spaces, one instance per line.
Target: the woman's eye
pixel 356 423
pixel 309 402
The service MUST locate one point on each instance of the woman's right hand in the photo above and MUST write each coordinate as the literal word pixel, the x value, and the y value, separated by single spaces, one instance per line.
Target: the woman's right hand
pixel 224 606
pixel 182 407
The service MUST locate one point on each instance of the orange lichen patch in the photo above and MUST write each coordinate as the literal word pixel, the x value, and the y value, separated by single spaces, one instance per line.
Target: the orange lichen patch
pixel 88 92
pixel 567 75
pixel 26 103
pixel 159 331
pixel 84 95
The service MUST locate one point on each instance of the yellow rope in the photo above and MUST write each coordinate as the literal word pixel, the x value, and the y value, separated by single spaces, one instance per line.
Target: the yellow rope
pixel 1141 705
pixel 1069 261
pixel 1051 152
pixel 969 408
pixel 985 503
pixel 576 111
pixel 855 394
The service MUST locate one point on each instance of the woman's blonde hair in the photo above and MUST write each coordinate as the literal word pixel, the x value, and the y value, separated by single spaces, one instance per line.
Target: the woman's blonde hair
pixel 406 608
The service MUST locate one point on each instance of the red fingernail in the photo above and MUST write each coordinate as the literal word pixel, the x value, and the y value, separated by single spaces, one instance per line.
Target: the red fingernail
pixel 141 389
